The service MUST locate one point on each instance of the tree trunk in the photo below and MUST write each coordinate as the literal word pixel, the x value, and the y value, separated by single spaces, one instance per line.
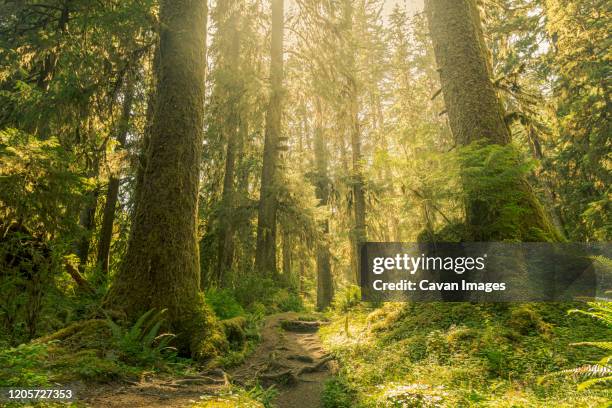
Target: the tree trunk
pixel 324 274
pixel 161 269
pixel 226 228
pixel 359 205
pixel 112 193
pixel 286 257
pixel 476 114
pixel 265 253
pixel 87 218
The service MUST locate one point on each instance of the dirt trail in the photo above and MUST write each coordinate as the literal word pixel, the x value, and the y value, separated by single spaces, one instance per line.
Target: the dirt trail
pixel 290 357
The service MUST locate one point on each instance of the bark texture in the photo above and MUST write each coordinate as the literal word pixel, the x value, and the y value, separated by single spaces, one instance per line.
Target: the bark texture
pixel 265 253
pixel 475 112
pixel 161 268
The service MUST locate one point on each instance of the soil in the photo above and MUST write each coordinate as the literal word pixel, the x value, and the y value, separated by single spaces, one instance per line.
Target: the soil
pixel 291 359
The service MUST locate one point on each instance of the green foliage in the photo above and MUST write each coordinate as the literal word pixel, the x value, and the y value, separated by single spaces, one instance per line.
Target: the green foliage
pixel 337 394
pixel 19 366
pixel 460 354
pixel 263 395
pixel 38 185
pixel 287 301
pixel 254 291
pixel 347 298
pixel 141 344
pixel 599 373
pixel 493 179
pixel 223 303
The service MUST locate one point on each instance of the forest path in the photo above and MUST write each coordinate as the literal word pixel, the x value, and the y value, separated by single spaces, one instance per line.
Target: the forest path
pixel 290 357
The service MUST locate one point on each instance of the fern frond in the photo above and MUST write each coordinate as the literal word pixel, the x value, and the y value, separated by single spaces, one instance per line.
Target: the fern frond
pixel 603 345
pixel 593 381
pixel 135 330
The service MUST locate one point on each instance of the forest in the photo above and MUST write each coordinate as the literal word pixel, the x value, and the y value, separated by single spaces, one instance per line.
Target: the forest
pixel 186 187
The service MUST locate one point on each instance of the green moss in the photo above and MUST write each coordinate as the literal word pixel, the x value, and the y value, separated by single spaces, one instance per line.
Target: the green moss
pixel 525 320
pixel 87 365
pixel 206 337
pixel 482 354
pixel 234 329
pixel 93 333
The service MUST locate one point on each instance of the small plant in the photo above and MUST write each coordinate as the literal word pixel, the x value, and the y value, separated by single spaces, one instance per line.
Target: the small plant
pixel 337 394
pixel 601 371
pixel 141 344
pixel 347 298
pixel 263 395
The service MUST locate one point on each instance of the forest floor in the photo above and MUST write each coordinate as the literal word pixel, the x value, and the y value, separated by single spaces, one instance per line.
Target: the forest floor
pixel 290 357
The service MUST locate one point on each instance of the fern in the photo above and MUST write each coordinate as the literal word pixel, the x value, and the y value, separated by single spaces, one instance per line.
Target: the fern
pixel 140 343
pixel 591 374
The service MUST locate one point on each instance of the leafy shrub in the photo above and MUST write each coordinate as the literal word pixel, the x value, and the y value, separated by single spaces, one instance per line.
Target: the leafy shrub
pixel 286 301
pixel 254 289
pixel 19 366
pixel 223 303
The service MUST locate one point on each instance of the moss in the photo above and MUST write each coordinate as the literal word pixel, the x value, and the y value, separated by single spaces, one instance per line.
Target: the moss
pixel 234 329
pixel 482 354
pixel 86 365
pixel 94 333
pixel 205 334
pixel 525 320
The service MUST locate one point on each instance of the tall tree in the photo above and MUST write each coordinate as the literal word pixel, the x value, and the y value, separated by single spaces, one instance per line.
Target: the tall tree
pixel 112 191
pixel 476 115
pixel 229 28
pixel 322 183
pixel 265 253
pixel 580 38
pixel 161 267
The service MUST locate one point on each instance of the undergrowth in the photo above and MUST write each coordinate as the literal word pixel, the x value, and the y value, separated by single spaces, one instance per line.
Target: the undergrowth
pixel 460 355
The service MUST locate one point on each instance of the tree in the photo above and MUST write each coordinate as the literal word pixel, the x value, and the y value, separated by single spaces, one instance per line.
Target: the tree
pixel 476 116
pixel 229 17
pixel 579 32
pixel 325 285
pixel 161 266
pixel 265 253
pixel 112 191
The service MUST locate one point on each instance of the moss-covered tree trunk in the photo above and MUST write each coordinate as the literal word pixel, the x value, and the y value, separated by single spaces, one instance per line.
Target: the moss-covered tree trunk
pixel 265 252
pixel 112 191
pixel 161 268
pixel 476 114
pixel 324 273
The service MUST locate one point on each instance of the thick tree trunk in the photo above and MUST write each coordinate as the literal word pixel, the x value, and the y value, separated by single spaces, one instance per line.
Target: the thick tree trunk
pixel 225 250
pixel 265 253
pixel 161 268
pixel 324 274
pixel 475 113
pixel 112 193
